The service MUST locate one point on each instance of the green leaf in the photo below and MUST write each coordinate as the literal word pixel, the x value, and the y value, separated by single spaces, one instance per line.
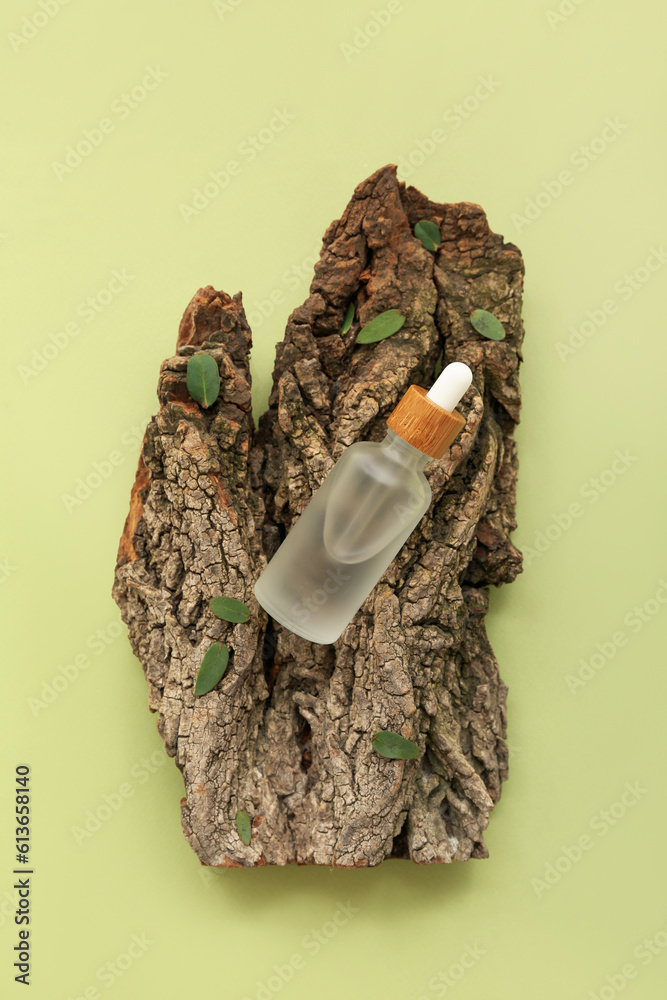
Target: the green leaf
pixel 212 668
pixel 349 316
pixel 384 325
pixel 439 364
pixel 392 745
pixel 229 609
pixel 203 379
pixel 243 826
pixel 429 234
pixel 487 324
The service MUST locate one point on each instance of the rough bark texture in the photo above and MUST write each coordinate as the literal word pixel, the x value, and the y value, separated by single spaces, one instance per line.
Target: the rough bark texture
pixel 286 735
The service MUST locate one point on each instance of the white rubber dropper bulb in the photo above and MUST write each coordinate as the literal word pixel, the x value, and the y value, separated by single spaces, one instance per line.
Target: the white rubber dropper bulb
pixel 450 385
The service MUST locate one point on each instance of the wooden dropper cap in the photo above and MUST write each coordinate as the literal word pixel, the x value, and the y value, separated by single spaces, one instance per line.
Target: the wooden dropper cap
pixel 428 420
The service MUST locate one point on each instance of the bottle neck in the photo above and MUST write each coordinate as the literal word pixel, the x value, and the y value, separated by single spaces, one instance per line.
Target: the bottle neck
pixel 399 450
pixel 424 423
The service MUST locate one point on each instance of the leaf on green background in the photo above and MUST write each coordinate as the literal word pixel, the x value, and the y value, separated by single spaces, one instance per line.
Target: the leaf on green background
pixel 212 668
pixel 349 316
pixel 229 609
pixel 203 379
pixel 429 234
pixel 487 324
pixel 243 826
pixel 384 325
pixel 389 744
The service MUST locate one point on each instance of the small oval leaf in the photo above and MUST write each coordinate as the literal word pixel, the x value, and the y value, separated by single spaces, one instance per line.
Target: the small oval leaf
pixel 389 744
pixel 429 234
pixel 383 325
pixel 203 379
pixel 243 826
pixel 487 324
pixel 349 316
pixel 212 668
pixel 229 609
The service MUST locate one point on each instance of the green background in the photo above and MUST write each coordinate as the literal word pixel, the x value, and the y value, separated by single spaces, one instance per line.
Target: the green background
pixel 63 233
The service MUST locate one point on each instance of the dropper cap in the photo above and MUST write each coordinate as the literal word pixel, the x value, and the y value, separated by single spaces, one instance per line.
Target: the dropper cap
pixel 428 420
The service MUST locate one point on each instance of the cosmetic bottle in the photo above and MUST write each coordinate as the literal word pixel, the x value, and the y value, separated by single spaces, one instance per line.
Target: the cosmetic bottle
pixel 360 516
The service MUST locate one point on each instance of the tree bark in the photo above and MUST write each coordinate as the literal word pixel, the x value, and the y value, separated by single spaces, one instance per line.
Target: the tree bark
pixel 286 735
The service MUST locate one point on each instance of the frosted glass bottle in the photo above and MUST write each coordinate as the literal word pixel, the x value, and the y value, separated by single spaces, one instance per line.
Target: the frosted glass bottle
pixel 358 519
